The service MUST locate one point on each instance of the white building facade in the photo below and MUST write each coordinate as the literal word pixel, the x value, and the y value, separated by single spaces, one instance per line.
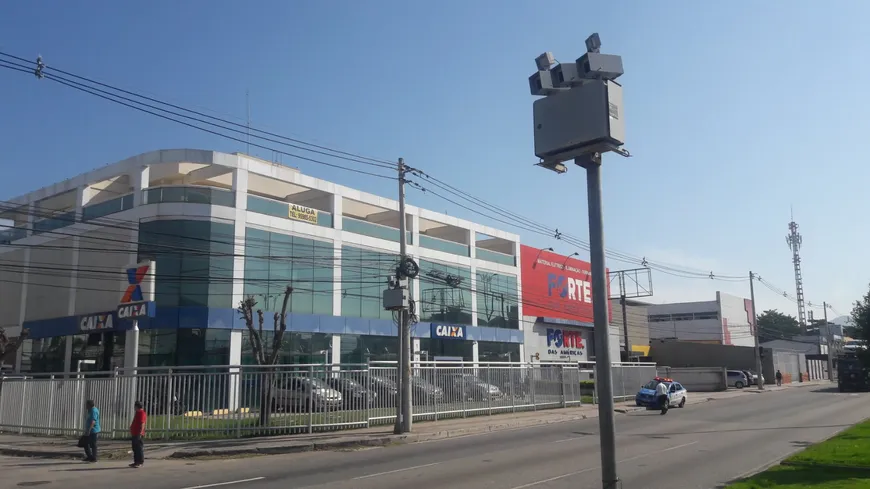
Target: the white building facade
pixel 726 321
pixel 223 227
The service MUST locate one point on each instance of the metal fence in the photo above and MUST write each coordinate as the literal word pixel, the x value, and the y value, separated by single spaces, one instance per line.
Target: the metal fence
pixel 235 402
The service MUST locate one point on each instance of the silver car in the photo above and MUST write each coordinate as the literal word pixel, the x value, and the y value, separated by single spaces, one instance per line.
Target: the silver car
pixel 304 393
pixel 737 379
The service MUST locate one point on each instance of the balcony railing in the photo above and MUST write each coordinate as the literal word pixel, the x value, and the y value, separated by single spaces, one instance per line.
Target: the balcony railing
pixel 8 235
pixel 495 257
pixel 108 207
pixel 277 208
pixel 191 195
pixel 54 222
pixel 444 245
pixel 374 230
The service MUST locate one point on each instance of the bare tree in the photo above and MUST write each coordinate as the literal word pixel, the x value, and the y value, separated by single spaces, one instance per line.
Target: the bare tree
pixel 265 355
pixel 7 346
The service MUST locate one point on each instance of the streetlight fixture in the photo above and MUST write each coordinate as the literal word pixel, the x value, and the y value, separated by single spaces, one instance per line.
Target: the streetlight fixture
pixel 579 118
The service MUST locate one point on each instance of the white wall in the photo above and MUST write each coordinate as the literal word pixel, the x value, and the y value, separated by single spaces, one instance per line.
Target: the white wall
pixel 698 379
pixel 536 342
pixel 736 313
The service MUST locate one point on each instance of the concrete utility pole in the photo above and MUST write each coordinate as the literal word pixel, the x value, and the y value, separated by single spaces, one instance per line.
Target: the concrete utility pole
pixel 580 117
pixel 404 320
pixel 830 343
pixel 758 365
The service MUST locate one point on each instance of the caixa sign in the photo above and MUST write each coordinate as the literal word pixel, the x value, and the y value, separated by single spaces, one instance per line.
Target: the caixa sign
pixel 96 322
pixel 448 332
pixel 134 310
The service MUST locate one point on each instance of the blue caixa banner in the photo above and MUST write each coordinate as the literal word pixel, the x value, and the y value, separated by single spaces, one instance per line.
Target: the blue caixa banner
pixel 448 332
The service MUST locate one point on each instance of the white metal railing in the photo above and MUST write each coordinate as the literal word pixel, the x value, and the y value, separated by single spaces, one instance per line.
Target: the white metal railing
pixel 241 401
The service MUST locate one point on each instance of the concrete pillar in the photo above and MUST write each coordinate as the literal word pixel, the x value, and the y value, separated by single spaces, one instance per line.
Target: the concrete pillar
pixel 235 372
pixel 240 187
pixel 335 353
pixel 473 285
pixel 337 211
pixel 140 180
pixel 81 195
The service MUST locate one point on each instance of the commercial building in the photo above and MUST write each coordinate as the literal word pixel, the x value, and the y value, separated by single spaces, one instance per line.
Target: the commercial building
pixel 222 227
pixel 726 321
pixel 558 324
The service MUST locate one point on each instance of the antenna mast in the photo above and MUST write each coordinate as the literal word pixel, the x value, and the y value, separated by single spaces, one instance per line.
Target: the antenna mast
pixel 794 240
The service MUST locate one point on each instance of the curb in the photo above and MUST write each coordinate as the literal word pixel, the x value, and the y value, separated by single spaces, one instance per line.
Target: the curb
pixel 7 451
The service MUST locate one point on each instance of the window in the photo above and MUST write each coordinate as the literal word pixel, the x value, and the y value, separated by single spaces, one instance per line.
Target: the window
pixel 659 318
pixel 274 260
pixel 445 293
pixel 194 261
pixel 365 348
pixel 497 300
pixel 682 317
pixel 707 315
pixel 491 351
pixel 296 348
pixel 363 279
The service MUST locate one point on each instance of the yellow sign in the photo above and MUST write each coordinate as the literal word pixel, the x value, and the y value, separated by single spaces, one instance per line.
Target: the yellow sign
pixel 301 213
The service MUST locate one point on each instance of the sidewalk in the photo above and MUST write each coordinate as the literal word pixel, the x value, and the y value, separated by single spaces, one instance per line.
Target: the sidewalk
pixel 64 448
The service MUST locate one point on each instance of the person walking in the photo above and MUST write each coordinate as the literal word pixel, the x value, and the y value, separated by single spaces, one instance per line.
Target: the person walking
pixel 137 434
pixel 778 377
pixel 92 430
pixel 662 395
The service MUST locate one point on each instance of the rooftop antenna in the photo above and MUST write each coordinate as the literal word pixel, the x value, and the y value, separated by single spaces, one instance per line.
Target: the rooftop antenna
pixel 794 241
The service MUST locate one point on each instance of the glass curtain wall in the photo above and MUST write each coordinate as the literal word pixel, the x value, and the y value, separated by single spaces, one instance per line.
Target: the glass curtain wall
pixel 497 300
pixel 445 293
pixel 363 280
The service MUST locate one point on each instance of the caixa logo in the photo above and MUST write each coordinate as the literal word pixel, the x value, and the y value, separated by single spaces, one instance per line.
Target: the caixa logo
pixel 448 332
pixel 569 288
pixel 564 339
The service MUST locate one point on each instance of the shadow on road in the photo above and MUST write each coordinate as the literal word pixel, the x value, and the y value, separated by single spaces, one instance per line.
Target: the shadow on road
pixel 93 469
pixel 47 464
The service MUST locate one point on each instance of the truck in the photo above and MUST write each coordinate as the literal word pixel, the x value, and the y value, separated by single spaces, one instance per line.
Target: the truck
pixel 852 374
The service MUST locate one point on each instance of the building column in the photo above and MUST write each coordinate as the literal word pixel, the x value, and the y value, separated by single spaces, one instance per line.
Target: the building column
pixel 337 211
pixel 81 195
pixel 335 353
pixel 22 301
pixel 235 359
pixel 140 180
pixel 475 353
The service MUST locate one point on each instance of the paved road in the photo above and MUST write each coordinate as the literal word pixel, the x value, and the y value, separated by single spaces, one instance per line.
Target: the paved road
pixel 702 446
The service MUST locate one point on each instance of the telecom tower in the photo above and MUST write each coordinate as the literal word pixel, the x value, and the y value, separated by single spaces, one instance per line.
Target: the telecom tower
pixel 794 241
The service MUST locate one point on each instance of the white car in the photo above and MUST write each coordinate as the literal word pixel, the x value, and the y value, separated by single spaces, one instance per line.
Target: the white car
pixel 677 394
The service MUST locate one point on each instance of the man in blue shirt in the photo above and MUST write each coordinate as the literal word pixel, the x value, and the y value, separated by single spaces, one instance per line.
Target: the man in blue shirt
pixel 92 429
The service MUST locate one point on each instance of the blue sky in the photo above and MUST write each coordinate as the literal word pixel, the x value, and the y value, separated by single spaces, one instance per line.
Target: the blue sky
pixel 734 113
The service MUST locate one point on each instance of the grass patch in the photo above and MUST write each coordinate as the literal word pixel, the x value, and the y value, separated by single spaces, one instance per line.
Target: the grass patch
pixel 843 462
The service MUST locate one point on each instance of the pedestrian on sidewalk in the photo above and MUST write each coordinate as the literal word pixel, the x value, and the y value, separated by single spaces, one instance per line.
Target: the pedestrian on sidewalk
pixel 137 434
pixel 92 430
pixel 778 377
pixel 662 395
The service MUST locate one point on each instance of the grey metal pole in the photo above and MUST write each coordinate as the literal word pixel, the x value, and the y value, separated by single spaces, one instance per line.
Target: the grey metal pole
pixel 404 320
pixel 625 326
pixel 604 380
pixel 830 344
pixel 758 365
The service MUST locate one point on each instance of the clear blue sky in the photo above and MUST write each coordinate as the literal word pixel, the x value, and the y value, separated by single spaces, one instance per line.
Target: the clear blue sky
pixel 734 113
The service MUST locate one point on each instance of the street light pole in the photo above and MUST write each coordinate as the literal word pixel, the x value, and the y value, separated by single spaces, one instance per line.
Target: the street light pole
pixel 606 414
pixel 404 323
pixel 758 365
pixel 830 338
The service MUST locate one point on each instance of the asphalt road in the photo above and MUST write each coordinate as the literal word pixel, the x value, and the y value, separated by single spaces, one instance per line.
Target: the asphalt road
pixel 701 446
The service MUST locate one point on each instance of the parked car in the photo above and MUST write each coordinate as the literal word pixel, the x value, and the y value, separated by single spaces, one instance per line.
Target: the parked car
pixel 470 385
pixel 302 393
pixel 646 396
pixel 355 395
pixel 424 392
pixel 385 389
pixel 737 379
pixel 752 377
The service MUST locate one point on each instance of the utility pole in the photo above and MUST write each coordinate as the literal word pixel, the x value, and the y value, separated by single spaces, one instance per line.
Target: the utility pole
pixel 754 325
pixel 830 343
pixel 580 117
pixel 404 320
pixel 624 317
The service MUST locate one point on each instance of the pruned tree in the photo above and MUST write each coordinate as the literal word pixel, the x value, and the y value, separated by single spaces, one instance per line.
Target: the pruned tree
pixel 265 352
pixel 9 347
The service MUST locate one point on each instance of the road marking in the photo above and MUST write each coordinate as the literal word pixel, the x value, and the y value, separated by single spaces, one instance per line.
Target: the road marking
pixel 392 471
pixel 629 459
pixel 566 439
pixel 225 483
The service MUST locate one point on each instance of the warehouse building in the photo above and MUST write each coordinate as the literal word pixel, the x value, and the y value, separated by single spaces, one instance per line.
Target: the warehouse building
pixel 726 321
pixel 221 227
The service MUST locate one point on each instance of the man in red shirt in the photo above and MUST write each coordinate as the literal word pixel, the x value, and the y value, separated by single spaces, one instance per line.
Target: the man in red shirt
pixel 137 432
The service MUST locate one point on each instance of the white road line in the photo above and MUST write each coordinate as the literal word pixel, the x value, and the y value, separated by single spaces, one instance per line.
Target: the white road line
pixel 629 459
pixel 566 439
pixel 225 483
pixel 392 471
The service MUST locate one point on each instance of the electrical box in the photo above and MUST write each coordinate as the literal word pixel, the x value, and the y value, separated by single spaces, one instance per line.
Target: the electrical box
pixel 396 299
pixel 585 119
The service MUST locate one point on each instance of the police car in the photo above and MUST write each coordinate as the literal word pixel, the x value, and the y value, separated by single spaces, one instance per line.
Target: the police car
pixel 646 397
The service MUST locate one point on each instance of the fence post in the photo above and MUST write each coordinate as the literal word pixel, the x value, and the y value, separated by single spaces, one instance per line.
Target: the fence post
pixel 511 387
pixel 369 397
pixel 310 400
pixel 489 383
pixel 116 401
pixel 562 383
pixel 532 387
pixel 50 403
pixel 23 403
pixel 462 393
pixel 170 394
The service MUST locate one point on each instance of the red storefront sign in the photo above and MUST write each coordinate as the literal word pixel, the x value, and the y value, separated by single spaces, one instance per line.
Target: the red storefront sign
pixel 556 286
